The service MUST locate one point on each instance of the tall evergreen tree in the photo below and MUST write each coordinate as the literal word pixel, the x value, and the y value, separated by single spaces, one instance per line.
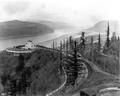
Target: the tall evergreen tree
pixel 70 43
pixel 64 44
pixel 82 39
pixel 91 49
pixel 72 64
pixel 61 57
pixel 108 33
pixel 107 43
pixel 75 56
pixel 67 46
pixel 99 43
pixel 82 44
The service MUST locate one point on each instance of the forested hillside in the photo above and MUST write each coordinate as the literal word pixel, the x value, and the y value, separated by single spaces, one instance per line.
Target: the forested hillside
pixel 36 73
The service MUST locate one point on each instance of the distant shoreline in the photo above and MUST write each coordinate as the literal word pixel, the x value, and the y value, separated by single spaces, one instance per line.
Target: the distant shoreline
pixel 21 37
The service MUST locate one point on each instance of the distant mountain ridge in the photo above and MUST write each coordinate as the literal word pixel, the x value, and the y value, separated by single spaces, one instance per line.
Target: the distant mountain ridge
pixel 19 29
pixel 99 27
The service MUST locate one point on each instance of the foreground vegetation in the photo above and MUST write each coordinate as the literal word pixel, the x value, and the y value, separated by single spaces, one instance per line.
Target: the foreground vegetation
pixel 35 73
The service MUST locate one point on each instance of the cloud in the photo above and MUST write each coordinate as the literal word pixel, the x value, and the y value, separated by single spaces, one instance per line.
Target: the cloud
pixel 15 7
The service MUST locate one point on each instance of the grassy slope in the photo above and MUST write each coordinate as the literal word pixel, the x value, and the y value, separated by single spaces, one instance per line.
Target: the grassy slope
pixel 107 63
pixel 44 64
pixel 99 79
pixel 96 79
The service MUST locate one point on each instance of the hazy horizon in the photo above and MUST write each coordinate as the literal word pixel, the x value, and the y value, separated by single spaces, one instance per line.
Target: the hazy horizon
pixel 78 13
pixel 81 14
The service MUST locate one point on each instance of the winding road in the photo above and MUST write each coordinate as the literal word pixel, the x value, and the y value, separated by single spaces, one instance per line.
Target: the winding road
pixel 82 74
pixel 50 93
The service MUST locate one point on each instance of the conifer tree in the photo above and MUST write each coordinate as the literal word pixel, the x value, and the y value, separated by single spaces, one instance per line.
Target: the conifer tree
pixel 107 43
pixel 108 33
pixel 61 57
pixel 75 56
pixel 99 43
pixel 82 44
pixel 64 45
pixel 70 43
pixel 83 40
pixel 91 49
pixel 72 64
pixel 67 47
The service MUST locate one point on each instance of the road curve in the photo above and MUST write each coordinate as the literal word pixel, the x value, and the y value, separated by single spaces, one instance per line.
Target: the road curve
pixel 30 51
pixel 49 94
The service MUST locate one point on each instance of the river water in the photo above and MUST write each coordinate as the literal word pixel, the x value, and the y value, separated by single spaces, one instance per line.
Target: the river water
pixel 5 43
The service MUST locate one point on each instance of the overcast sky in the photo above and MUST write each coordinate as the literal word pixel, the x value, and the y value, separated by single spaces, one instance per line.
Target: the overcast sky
pixel 82 13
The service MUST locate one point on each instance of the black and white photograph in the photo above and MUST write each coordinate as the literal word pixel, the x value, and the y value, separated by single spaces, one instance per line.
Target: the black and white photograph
pixel 59 48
